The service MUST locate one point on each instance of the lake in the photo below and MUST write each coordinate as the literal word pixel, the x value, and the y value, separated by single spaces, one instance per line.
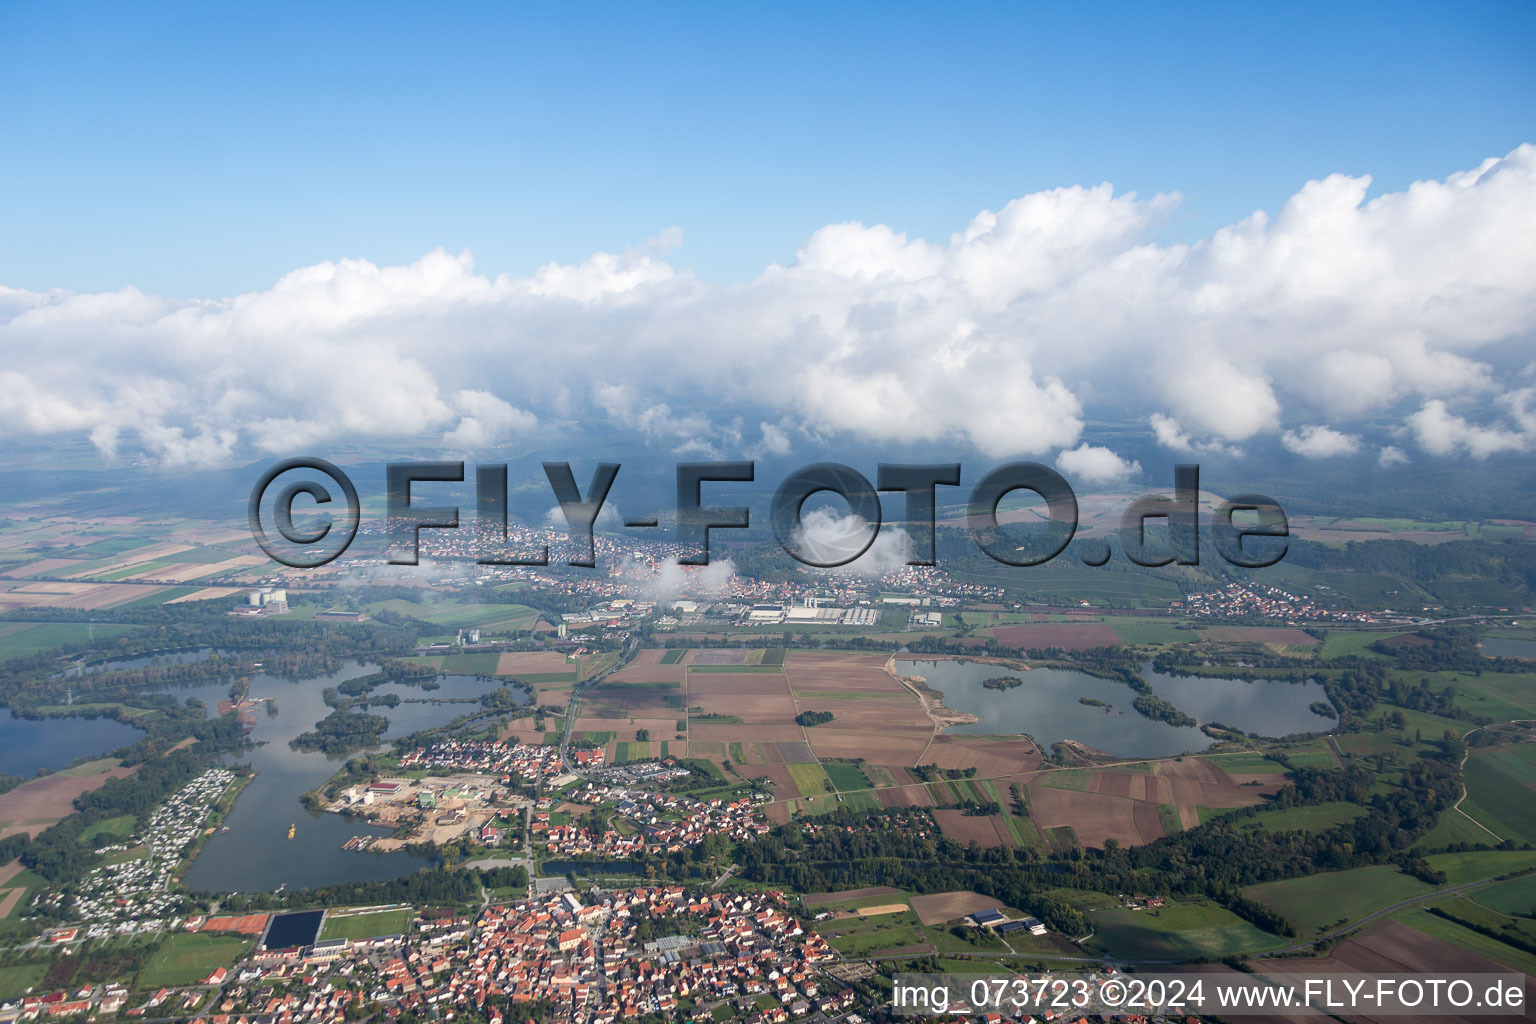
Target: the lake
pixel 1048 708
pixel 28 745
pixel 256 853
pixel 1508 647
pixel 185 656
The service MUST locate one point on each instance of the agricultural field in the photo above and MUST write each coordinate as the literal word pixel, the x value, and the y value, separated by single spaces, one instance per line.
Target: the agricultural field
pixel 33 806
pixel 1317 902
pixel 1343 643
pixel 1477 864
pixel 809 779
pixel 1306 818
pixel 845 776
pixel 1515 897
pixel 1179 931
pixel 489 618
pixel 19 638
pixel 1500 794
pixel 1466 941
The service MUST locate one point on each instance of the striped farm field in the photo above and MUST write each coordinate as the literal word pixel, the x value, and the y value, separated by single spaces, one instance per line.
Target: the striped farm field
pixel 809 779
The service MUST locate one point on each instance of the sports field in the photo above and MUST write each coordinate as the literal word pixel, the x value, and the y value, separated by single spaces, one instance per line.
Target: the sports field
pixel 185 959
pixel 365 926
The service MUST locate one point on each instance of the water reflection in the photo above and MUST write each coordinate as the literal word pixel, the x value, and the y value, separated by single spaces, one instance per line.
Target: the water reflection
pixel 1049 706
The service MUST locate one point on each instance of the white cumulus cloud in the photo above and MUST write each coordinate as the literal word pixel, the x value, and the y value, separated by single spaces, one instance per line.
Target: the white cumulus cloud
pixel 1316 441
pixel 1096 465
pixel 1396 313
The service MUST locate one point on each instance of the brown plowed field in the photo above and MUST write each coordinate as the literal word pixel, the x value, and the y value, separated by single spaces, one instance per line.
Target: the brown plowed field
pixel 988 831
pixel 1258 635
pixel 783 782
pixel 939 907
pixel 1069 635
pixel 1095 817
pixel 887 744
pixel 522 731
pixel 649 656
pixel 736 684
pixel 748 733
pixel 750 708
pixel 649 674
pixel 899 775
pixel 33 806
pixel 1135 785
pixel 633 697
pixel 531 663
pixel 1394 948
pixel 795 752
pixel 840 673
pixel 1195 781
pixel 905 796
pixel 990 758
pixel 45 565
pixel 718 656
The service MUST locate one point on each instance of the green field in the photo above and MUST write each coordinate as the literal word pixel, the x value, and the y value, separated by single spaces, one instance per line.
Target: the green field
pixel 631 750
pixel 1317 902
pixel 1065 778
pixel 1051 584
pixel 490 618
pixel 1453 828
pixel 1476 593
pixel 14 981
pixel 1152 633
pixel 673 656
pixel 1308 818
pixel 1498 796
pixel 861 800
pixel 863 936
pixel 1517 896
pixel 108 831
pixel 366 926
pixel 185 959
pixel 1178 931
pixel 1368 589
pixel 809 778
pixel 845 776
pixel 1239 764
pixel 1478 864
pixel 1343 643
pixel 18 638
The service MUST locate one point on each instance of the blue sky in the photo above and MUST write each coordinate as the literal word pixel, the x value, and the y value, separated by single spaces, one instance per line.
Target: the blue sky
pixel 206 149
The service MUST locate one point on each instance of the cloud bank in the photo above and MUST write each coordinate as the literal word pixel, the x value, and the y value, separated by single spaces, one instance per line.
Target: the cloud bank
pixel 1299 328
